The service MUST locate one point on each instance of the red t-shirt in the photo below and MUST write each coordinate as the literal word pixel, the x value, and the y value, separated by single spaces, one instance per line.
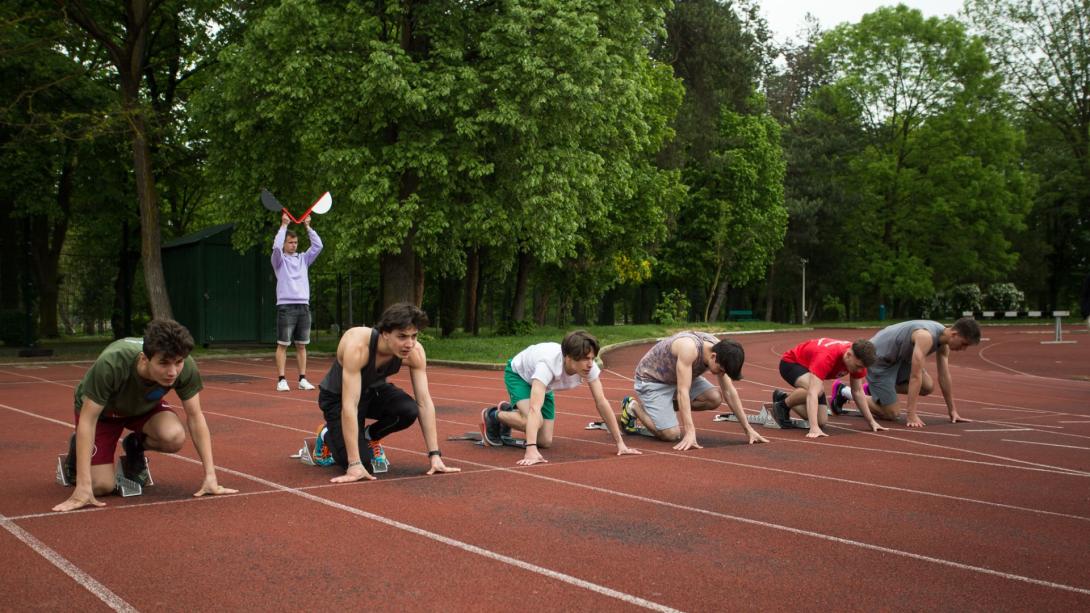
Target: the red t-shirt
pixel 824 357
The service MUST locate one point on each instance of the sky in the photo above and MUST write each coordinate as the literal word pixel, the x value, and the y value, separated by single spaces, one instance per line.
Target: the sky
pixel 785 17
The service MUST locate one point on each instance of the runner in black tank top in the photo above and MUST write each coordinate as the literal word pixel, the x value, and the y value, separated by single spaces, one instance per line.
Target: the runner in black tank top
pixel 389 408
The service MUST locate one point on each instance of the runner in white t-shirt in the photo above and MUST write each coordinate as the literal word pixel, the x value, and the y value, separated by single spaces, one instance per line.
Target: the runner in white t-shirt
pixel 531 377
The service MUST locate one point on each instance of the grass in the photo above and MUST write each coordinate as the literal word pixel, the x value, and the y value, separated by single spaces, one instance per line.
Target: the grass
pixel 461 347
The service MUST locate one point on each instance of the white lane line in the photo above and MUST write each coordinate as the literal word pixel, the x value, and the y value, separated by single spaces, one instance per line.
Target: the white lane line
pixel 609 591
pixel 85 581
pixel 546 572
pixel 1075 422
pixel 1010 440
pixel 998 429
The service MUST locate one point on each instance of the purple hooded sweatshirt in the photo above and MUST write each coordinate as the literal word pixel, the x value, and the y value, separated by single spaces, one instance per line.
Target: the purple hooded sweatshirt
pixel 292 284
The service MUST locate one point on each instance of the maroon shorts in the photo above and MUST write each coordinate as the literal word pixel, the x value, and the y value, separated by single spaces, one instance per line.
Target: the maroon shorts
pixel 108 431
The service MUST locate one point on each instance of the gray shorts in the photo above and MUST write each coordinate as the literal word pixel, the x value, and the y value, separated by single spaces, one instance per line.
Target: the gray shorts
pixel 883 382
pixel 658 399
pixel 292 324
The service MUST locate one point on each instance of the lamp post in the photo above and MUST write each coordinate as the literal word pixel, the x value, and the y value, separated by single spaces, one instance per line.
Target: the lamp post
pixel 803 290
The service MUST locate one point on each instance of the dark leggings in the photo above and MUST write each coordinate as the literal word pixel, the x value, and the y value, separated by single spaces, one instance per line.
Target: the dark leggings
pixel 390 407
pixel 791 373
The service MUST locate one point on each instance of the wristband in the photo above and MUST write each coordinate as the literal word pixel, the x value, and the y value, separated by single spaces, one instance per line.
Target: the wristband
pixel 531 444
pixel 435 452
pixel 356 463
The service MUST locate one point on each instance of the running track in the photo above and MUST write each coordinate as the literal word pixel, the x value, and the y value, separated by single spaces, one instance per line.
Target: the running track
pixel 990 515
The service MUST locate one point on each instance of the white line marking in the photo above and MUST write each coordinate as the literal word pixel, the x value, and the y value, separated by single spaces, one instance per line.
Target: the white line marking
pixel 999 430
pixel 86 581
pixel 1075 422
pixel 602 589
pixel 1009 440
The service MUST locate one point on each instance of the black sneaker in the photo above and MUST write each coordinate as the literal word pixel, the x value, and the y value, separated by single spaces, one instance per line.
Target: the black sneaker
pixel 70 460
pixel 779 396
pixel 780 411
pixel 837 403
pixel 490 427
pixel 133 464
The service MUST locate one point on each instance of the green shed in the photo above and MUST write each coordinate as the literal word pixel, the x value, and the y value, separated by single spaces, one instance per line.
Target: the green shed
pixel 222 296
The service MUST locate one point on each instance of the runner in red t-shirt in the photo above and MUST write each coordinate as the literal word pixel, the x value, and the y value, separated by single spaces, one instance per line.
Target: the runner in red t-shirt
pixel 807 366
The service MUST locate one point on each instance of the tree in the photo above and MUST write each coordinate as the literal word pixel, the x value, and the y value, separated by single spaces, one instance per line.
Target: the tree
pixel 443 128
pixel 1043 49
pixel 938 158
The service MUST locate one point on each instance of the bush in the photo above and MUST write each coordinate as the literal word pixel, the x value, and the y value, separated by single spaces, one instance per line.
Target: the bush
pixel 1005 297
pixel 12 328
pixel 832 309
pixel 672 309
pixel 966 297
pixel 515 328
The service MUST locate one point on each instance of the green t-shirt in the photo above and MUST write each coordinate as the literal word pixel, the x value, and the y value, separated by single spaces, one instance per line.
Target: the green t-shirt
pixel 112 381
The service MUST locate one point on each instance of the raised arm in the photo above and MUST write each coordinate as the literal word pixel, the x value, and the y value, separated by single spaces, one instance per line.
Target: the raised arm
pixel 278 242
pixel 315 244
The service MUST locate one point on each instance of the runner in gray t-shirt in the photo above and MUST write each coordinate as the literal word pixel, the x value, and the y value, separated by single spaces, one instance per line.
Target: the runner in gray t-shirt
pixel 902 350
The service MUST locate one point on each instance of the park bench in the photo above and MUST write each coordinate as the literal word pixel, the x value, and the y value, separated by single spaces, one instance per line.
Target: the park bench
pixel 741 315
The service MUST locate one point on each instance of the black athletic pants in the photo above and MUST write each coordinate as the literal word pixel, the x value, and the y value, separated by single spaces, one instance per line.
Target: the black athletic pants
pixel 390 406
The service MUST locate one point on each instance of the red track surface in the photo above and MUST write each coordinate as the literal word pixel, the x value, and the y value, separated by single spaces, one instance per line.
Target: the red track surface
pixel 990 515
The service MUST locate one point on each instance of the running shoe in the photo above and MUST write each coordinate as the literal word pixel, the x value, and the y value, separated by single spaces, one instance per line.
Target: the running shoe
pixel 282 386
pixel 490 427
pixel 779 409
pixel 379 462
pixel 133 464
pixel 305 385
pixel 70 460
pixel 629 421
pixel 837 403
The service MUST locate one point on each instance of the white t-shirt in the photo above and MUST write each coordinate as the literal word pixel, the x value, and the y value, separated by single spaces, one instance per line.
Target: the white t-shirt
pixel 545 362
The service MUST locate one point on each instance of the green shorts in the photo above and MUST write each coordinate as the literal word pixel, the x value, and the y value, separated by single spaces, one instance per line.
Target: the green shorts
pixel 518 389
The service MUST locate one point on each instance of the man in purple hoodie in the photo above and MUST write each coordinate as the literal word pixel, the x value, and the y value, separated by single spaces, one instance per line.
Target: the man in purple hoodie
pixel 293 298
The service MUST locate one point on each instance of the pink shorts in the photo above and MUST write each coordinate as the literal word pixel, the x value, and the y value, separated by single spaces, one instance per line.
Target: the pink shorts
pixel 108 431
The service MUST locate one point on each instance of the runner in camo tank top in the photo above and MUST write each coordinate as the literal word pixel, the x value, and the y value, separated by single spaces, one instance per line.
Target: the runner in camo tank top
pixel 669 385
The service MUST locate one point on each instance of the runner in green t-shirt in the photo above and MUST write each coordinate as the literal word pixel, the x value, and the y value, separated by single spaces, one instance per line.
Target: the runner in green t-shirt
pixel 124 390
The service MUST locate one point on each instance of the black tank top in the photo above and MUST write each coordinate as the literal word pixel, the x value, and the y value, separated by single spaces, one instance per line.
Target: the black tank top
pixel 369 375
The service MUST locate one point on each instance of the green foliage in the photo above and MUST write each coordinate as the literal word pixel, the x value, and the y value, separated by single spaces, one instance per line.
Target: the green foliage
pixel 832 308
pixel 672 309
pixel 965 297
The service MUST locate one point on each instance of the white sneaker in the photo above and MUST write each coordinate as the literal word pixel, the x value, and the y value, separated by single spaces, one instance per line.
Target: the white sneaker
pixel 282 386
pixel 304 384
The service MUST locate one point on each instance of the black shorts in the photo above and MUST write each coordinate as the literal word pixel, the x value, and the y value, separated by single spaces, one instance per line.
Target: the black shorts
pixel 791 372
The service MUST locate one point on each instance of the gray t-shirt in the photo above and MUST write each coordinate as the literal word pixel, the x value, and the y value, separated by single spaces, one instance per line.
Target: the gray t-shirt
pixel 894 343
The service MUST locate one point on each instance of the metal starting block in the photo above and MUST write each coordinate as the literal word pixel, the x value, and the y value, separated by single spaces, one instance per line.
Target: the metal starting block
pixel 764 418
pixel 125 487
pixel 478 439
pixel 601 425
pixel 304 454
pixel 380 465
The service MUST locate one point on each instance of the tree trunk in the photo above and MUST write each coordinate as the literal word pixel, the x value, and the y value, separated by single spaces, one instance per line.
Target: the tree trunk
pixel 449 300
pixel 121 318
pixel 541 305
pixel 522 284
pixel 399 275
pixel 606 310
pixel 717 303
pixel 769 285
pixel 418 285
pixel 47 241
pixel 473 276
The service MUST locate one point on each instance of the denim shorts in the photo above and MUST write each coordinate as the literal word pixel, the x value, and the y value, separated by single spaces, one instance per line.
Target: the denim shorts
pixel 292 324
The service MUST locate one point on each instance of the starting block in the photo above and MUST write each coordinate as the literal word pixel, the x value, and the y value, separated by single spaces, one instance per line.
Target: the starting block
pixel 601 425
pixel 478 439
pixel 125 487
pixel 764 418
